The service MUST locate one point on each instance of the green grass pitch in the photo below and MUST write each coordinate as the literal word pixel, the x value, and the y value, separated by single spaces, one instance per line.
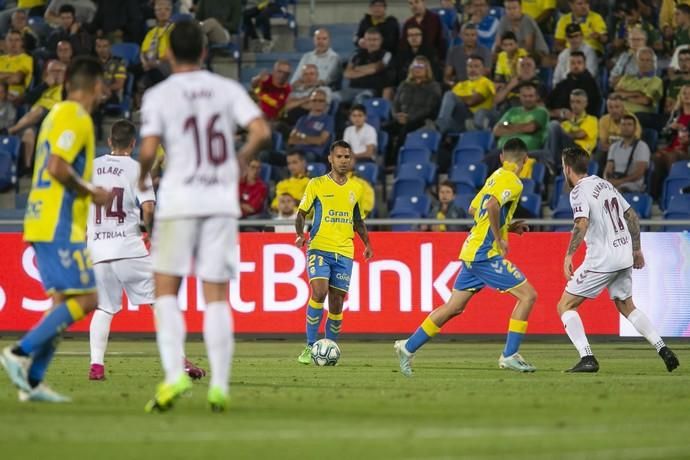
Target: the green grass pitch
pixel 458 405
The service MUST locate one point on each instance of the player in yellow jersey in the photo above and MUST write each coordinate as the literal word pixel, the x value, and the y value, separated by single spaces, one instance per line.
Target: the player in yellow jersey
pixel 335 201
pixel 483 263
pixel 55 225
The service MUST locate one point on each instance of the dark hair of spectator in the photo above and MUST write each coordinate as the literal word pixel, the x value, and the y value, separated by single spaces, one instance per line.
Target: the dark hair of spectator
pixel 577 158
pixel 449 184
pixel 373 30
pixel 578 54
pixel 527 84
pixel 509 35
pixel 358 108
pixel 295 152
pixel 122 133
pixel 476 57
pixel 187 42
pixel 83 73
pixel 67 8
pixel 339 144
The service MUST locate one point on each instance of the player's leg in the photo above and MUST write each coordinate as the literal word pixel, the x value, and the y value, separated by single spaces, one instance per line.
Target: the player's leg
pixel 567 310
pixel 526 296
pixel 319 291
pixel 621 288
pixel 338 286
pixel 110 302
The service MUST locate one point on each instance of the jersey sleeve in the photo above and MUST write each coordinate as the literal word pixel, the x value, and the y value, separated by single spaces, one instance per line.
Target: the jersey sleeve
pixel 578 201
pixel 308 198
pixel 148 195
pixel 243 109
pixel 68 135
pixel 151 115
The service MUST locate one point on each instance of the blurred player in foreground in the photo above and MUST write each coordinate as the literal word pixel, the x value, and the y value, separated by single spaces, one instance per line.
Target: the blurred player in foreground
pixel 194 114
pixel 335 200
pixel 121 260
pixel 611 230
pixel 55 225
pixel 483 264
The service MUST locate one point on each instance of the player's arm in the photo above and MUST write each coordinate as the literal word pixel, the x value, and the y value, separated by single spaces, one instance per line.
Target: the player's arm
pixel 299 228
pixel 577 236
pixel 147 156
pixel 493 210
pixel 361 229
pixel 633 222
pixel 147 210
pixel 258 135
pixel 64 173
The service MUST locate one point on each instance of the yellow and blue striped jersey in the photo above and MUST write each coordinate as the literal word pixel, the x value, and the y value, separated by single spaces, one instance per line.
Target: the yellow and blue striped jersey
pixel 335 207
pixel 53 212
pixel 506 187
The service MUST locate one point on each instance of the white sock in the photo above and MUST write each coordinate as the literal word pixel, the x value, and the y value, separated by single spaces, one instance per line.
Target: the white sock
pixel 99 330
pixel 170 335
pixel 220 343
pixel 640 321
pixel 576 331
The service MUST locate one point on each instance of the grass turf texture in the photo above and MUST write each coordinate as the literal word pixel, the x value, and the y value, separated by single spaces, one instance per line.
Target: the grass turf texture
pixel 458 405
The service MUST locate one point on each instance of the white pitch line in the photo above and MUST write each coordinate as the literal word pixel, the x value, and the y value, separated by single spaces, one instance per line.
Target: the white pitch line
pixel 110 353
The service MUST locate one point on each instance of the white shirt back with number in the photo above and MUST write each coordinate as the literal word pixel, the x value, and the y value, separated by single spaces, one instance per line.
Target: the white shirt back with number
pixel 196 114
pixel 113 231
pixel 609 244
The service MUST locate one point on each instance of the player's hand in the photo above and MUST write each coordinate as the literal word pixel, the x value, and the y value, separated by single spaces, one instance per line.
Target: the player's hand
pixel 101 196
pixel 568 267
pixel 638 259
pixel 299 242
pixel 368 253
pixel 503 246
pixel 519 227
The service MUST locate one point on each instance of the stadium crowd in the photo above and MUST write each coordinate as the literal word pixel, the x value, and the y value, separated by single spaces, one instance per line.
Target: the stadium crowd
pixel 427 100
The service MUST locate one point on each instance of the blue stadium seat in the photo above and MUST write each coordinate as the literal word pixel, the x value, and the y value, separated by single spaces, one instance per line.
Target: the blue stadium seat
pixel 651 138
pixel 129 52
pixel 641 203
pixel 404 214
pixel 304 44
pixel 265 173
pixel 482 139
pixel 11 144
pixel 679 203
pixel 285 13
pixel 378 107
pixel 412 203
pixel 531 202
pixel 21 200
pixel 368 171
pixel 423 138
pixel 497 11
pixel 424 171
pixel 528 186
pixel 449 17
pixel 316 169
pixel 468 177
pixel 125 106
pixel 673 186
pixel 680 169
pixel 382 141
pixel 8 170
pixel 679 209
pixel 558 191
pixel 545 75
pixel 593 168
pixel 413 155
pixel 538 176
pixel 464 155
pixel 102 150
pixel 407 187
pixel 277 141
pixel 563 211
pixel 181 17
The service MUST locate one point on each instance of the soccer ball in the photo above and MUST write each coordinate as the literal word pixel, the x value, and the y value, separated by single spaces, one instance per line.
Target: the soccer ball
pixel 325 352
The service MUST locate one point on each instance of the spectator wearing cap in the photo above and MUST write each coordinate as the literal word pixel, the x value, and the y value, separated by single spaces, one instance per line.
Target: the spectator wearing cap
pixel 387 25
pixel 526 30
pixel 413 47
pixel 324 58
pixel 578 78
pixel 631 19
pixel 593 26
pixel 626 63
pixel 573 33
pixel 456 60
pixel 431 25
pixel 486 24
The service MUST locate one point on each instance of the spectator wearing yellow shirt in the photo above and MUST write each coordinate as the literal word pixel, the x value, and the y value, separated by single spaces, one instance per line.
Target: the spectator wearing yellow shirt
pixel 469 102
pixel 155 46
pixel 592 24
pixel 43 97
pixel 296 184
pixel 609 124
pixel 580 128
pixel 507 60
pixel 642 93
pixel 16 67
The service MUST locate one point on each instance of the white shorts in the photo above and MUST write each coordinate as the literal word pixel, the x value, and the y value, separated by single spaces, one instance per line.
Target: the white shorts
pixel 134 276
pixel 585 283
pixel 201 246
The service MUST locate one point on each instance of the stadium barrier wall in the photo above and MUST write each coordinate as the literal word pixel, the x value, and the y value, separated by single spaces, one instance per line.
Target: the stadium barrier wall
pixel 410 274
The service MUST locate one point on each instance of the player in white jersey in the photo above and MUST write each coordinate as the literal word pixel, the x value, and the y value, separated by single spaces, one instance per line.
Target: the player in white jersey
pixel 120 257
pixel 611 230
pixel 194 114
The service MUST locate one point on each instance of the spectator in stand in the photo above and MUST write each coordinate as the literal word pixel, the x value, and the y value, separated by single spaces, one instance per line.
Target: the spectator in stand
pixel 468 105
pixel 324 58
pixel 681 37
pixel 8 114
pixel 527 121
pixel 628 159
pixel 114 79
pixel 543 13
pixel 361 136
pixel 120 21
pixel 677 80
pixel 508 95
pixel 20 23
pixel 416 100
pixel 431 25
pixel 626 63
pixel 287 210
pixel 272 90
pixel 369 71
pixel 43 97
pixel 16 67
pixel 679 146
pixel 668 18
pixel 387 25
pixel 154 48
pixel 592 24
pixel 632 19
pixel 610 124
pixel 313 131
pixel 573 33
pixel 32 8
pixel 525 29
pixel 456 61
pixel 642 93
pixel 507 60
pixel 253 191
pixel 578 78
pixel 299 102
pixel 259 16
pixel 64 52
pixel 72 31
pixel 412 48
pixel 579 128
pixel 85 11
pixel 296 183
pixel 486 24
pixel 445 208
pixel 219 19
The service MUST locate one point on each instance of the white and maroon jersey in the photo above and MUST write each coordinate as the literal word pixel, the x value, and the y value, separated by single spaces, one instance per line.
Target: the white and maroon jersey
pixel 113 231
pixel 609 244
pixel 196 114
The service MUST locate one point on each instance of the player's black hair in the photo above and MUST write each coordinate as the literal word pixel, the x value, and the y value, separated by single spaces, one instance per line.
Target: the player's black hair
pixel 83 73
pixel 576 158
pixel 342 144
pixel 514 150
pixel 122 133
pixel 187 42
pixel 67 8
pixel 358 108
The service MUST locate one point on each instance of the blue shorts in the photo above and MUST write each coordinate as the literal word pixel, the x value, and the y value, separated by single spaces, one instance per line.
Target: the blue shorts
pixel 496 272
pixel 65 267
pixel 330 266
